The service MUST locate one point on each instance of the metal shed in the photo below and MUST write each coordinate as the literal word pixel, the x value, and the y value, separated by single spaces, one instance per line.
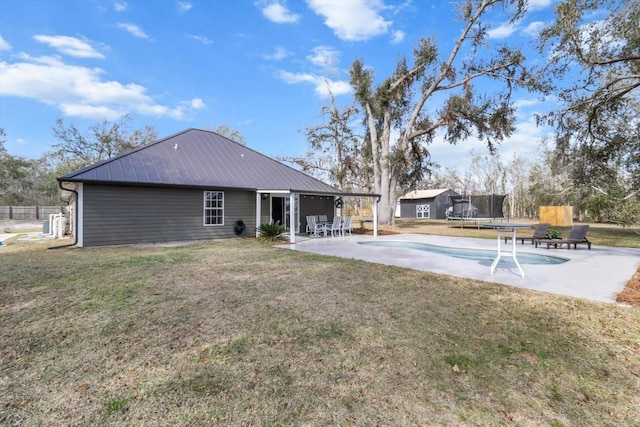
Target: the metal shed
pixel 423 204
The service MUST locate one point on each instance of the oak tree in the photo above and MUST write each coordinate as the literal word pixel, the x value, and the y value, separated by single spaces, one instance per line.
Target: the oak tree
pixel 402 114
pixel 594 51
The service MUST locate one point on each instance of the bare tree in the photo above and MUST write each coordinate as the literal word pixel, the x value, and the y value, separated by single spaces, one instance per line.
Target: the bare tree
pixel 101 141
pixel 232 134
pixel 335 150
pixel 489 173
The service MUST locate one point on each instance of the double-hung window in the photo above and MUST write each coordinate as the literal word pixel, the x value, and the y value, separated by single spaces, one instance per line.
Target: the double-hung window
pixel 213 208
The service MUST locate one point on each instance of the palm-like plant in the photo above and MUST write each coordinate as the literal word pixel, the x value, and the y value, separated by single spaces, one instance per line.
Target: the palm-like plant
pixel 272 232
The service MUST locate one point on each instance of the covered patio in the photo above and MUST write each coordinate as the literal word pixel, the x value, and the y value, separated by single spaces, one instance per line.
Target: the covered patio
pixel 291 207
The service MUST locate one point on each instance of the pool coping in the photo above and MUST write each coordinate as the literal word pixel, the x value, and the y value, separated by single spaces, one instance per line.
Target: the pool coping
pixel 598 274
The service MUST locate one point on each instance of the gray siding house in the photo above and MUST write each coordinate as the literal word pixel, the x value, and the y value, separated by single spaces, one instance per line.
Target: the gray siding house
pixel 421 204
pixel 194 185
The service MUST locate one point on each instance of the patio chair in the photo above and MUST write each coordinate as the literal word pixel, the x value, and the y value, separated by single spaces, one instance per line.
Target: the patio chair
pixel 314 228
pixel 323 218
pixel 336 227
pixel 308 230
pixel 577 235
pixel 346 225
pixel 539 233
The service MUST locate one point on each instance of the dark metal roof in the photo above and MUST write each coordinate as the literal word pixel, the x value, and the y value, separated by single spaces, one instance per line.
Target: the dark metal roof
pixel 199 158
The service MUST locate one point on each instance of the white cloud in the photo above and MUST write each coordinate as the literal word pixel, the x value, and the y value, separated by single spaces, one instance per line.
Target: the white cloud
pixel 4 45
pixel 526 102
pixel 184 6
pixel 120 6
pixel 324 57
pixel 81 91
pixel 90 111
pixel 133 30
pixel 197 104
pixel 539 4
pixel 397 37
pixel 594 35
pixel 533 29
pixel 502 31
pixel 279 54
pixel 276 12
pixel 524 142
pixel 354 20
pixel 321 84
pixel 70 46
pixel 202 39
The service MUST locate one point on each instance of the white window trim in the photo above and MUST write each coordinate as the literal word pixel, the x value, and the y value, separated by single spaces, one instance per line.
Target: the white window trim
pixel 205 208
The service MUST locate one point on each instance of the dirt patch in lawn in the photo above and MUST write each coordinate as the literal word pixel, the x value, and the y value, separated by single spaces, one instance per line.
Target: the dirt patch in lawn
pixel 631 292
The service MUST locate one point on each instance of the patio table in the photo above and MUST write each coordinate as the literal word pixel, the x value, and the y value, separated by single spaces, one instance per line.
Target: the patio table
pixel 506 226
pixel 325 226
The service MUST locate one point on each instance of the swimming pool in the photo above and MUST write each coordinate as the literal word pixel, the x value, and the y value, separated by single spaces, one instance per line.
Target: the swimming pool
pixel 470 254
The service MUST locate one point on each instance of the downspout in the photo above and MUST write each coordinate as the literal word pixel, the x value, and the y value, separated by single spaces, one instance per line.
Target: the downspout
pixel 75 234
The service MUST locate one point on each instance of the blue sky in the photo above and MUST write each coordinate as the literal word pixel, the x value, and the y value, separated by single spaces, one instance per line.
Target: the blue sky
pixel 260 67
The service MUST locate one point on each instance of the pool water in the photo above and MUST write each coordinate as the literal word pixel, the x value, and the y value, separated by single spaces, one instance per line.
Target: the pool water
pixel 471 254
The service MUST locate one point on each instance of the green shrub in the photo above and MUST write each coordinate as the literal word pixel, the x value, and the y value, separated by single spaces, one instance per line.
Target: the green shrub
pixel 553 233
pixel 272 231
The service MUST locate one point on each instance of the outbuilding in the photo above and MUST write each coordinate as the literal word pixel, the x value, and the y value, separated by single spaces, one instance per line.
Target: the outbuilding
pixel 194 185
pixel 421 204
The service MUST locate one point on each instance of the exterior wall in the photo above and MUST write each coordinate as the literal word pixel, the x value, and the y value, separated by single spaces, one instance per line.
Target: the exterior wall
pixel 315 205
pixel 408 207
pixel 117 215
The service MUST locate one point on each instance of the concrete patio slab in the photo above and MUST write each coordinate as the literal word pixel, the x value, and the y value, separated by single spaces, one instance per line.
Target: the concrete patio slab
pixel 597 274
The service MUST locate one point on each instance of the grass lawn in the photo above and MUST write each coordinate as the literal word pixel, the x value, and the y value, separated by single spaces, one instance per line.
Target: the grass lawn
pixel 237 332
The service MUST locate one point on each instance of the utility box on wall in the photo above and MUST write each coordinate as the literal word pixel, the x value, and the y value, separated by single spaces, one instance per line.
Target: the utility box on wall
pixel 560 216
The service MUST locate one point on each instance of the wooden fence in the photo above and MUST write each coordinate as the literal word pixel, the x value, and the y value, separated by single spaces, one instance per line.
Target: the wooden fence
pixel 557 215
pixel 28 212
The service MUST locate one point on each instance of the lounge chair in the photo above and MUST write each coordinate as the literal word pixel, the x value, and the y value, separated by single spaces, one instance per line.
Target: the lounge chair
pixel 577 235
pixel 539 233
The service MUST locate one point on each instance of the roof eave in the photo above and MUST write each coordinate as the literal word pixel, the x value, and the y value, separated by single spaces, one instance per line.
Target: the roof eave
pixel 209 186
